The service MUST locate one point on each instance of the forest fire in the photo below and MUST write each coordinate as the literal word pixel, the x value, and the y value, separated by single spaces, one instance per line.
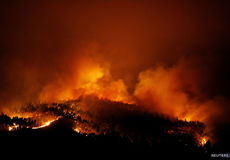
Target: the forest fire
pixel 143 75
pixel 86 121
pixel 45 125
pixel 90 117
pixel 17 126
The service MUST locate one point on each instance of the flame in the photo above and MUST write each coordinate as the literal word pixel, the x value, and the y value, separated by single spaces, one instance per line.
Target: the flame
pixel 46 124
pixel 80 128
pixel 203 141
pixel 89 78
pixel 20 114
pixel 76 130
pixel 44 119
pixel 14 127
pixel 180 87
pixel 158 90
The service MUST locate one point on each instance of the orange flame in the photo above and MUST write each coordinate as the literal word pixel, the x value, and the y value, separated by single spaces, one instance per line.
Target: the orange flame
pixel 14 127
pixel 89 78
pixel 45 124
pixel 203 141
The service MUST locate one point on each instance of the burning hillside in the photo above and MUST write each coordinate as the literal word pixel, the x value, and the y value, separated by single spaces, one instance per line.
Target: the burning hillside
pixel 107 124
pixel 140 74
pixel 107 117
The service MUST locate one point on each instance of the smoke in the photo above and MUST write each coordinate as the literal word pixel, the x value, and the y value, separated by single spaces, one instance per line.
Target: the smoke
pixel 170 58
pixel 190 89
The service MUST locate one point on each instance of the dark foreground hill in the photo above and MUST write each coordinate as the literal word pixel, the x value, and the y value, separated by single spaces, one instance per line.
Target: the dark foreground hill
pixel 93 125
pixel 60 137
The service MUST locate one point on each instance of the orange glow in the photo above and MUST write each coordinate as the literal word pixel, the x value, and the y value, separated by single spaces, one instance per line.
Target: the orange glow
pixel 14 127
pixel 21 114
pixel 89 78
pixel 160 89
pixel 42 119
pixel 203 141
pixel 45 124
pixel 159 57
pixel 157 90
pixel 77 130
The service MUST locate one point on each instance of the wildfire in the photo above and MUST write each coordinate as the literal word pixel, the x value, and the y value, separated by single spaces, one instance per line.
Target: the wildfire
pixel 46 124
pixel 85 130
pixel 203 141
pixel 14 127
pixel 77 130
